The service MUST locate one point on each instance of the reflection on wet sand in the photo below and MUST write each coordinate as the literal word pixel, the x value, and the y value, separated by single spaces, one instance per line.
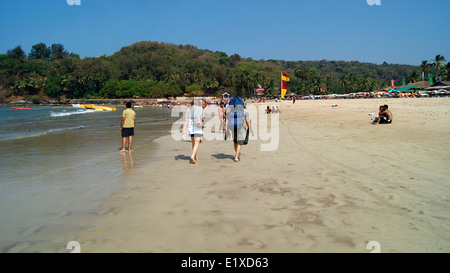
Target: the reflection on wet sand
pixel 128 163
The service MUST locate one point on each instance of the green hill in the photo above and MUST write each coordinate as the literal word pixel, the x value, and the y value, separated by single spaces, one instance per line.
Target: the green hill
pixel 155 69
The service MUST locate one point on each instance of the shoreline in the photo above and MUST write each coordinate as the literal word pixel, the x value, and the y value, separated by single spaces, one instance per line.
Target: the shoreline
pixel 47 191
pixel 21 102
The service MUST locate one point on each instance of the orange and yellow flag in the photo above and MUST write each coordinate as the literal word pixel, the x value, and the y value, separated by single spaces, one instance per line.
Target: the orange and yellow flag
pixel 284 77
pixel 283 89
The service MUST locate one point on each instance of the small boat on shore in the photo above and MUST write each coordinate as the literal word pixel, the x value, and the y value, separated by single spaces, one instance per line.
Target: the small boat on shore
pixel 95 107
pixel 21 108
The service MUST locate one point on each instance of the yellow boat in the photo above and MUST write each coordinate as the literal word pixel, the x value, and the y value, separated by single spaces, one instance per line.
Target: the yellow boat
pixel 95 107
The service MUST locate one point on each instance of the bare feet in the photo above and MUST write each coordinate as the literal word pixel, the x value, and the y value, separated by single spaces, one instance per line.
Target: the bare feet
pixel 122 151
pixel 193 161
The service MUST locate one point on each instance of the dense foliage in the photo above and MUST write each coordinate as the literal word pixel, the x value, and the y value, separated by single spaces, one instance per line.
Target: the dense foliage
pixel 153 69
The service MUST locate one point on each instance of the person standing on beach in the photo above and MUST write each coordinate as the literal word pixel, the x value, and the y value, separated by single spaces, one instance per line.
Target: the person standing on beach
pixel 237 119
pixel 384 116
pixel 127 127
pixel 293 99
pixel 222 116
pixel 195 120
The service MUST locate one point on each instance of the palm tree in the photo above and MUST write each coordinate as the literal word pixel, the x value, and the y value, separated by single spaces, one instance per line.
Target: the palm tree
pixel 414 76
pixel 271 89
pixel 425 68
pixel 344 82
pixel 446 72
pixel 316 84
pixel 212 85
pixel 438 63
pixel 353 82
pixel 365 84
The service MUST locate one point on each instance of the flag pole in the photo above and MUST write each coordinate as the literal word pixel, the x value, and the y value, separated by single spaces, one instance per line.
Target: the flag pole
pixel 281 84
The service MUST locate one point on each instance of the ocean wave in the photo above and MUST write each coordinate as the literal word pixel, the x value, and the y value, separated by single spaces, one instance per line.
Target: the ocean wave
pixel 22 135
pixel 30 134
pixel 70 113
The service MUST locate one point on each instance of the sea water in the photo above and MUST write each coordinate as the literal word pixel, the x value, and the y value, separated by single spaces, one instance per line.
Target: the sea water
pixel 57 163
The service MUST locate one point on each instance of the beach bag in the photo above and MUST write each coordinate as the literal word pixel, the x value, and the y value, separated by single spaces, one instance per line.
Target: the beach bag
pixel 197 119
pixel 198 122
pixel 246 137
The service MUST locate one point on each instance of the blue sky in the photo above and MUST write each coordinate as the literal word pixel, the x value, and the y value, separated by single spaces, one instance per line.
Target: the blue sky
pixel 397 31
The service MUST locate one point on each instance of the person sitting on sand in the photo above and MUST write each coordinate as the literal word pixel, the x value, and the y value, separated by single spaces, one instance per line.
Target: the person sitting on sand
pixel 268 110
pixel 384 116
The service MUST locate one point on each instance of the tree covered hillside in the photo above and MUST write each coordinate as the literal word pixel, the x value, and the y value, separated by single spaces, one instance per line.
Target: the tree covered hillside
pixel 154 69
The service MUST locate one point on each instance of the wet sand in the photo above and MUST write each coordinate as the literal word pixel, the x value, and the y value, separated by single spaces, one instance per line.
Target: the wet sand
pixel 334 184
pixel 58 165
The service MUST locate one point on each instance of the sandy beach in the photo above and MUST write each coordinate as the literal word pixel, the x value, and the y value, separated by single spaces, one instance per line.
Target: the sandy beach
pixel 334 184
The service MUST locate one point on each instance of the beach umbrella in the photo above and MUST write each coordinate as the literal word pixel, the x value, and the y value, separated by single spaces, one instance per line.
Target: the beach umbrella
pixel 393 91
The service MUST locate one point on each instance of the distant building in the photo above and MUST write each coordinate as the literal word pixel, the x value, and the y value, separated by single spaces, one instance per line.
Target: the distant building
pixel 225 96
pixel 439 86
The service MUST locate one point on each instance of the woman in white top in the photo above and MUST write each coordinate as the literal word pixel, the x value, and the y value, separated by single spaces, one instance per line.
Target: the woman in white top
pixel 195 121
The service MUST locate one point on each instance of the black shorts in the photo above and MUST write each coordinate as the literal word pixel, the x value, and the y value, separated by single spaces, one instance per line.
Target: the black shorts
pixel 126 132
pixel 385 120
